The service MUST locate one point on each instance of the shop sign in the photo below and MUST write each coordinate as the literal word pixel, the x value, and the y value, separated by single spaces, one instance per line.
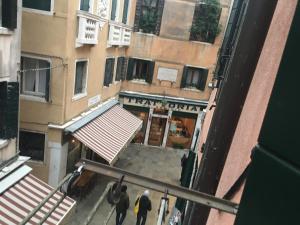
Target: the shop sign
pixel 144 102
pixel 167 74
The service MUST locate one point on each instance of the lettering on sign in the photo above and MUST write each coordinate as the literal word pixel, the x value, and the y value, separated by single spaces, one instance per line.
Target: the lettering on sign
pixel 144 102
pixel 94 100
pixel 167 74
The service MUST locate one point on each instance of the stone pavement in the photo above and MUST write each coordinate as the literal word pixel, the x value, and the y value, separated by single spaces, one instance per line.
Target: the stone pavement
pixel 157 163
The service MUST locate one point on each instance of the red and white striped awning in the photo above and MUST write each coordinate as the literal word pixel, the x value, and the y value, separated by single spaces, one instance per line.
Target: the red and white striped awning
pixel 109 133
pixel 20 199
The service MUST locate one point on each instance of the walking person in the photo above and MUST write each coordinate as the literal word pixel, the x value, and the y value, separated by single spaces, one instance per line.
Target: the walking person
pixel 122 206
pixel 144 207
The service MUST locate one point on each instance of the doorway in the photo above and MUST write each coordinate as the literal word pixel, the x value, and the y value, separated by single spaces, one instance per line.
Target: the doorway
pixel 157 131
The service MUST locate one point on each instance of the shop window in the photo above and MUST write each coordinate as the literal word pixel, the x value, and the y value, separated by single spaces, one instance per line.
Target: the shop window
pixel 139 69
pixel 32 145
pixel 194 78
pixel 148 16
pixel 125 11
pixel 121 68
pixel 80 77
pixel 44 5
pixel 36 77
pixel 109 72
pixel 8 16
pixel 182 127
pixel 143 114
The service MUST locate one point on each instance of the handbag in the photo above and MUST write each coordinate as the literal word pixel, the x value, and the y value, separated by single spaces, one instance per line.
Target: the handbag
pixel 136 206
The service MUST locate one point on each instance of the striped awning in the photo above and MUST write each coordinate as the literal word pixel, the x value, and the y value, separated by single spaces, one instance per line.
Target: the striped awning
pixel 20 199
pixel 110 132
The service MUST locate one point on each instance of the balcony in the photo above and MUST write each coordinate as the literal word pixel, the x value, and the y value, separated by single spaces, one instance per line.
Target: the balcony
pixel 88 28
pixel 119 34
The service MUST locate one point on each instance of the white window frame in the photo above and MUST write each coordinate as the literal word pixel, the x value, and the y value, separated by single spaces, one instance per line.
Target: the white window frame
pixel 117 11
pixel 128 12
pixel 91 6
pixel 83 94
pixel 29 95
pixel 38 11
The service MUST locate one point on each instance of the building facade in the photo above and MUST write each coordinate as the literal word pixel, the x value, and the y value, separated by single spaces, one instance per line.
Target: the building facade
pixel 78 55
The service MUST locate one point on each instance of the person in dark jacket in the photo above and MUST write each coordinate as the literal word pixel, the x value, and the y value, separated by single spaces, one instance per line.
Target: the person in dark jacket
pixel 122 206
pixel 144 207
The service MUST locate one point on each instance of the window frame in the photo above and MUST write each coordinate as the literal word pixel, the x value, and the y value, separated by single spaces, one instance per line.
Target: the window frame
pixel 128 11
pixel 193 71
pixel 30 94
pixel 113 72
pixel 83 94
pixel 135 69
pixel 199 69
pixel 117 18
pixel 45 144
pixel 39 11
pixel 91 6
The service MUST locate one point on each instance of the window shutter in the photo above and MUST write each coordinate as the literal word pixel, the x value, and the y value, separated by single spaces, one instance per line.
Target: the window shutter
pixel 9 14
pixel 119 68
pixel 113 9
pixel 160 10
pixel 47 93
pixel 184 76
pixel 202 80
pixel 112 66
pixel 130 69
pixel 138 13
pixel 125 11
pixel 149 77
pixel 9 109
pixel 106 73
pixel 124 68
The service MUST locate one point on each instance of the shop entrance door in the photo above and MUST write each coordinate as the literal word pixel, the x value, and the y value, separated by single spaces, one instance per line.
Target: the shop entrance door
pixel 157 131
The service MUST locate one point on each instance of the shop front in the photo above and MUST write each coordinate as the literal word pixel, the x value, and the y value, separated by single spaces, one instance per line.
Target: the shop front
pixel 167 121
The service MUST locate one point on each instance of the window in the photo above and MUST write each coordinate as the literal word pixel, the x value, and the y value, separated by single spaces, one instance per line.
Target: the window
pixel 113 14
pixel 8 16
pixel 148 16
pixel 121 68
pixel 32 145
pixel 80 77
pixel 194 78
pixel 125 11
pixel 44 5
pixel 86 5
pixel 109 72
pixel 139 69
pixel 36 77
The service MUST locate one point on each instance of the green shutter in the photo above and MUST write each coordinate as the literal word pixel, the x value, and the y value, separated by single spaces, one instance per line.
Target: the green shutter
pixel 44 5
pixel 113 9
pixel 130 69
pixel 125 11
pixel 112 66
pixel 202 79
pixel 47 94
pixel 9 109
pixel 124 68
pixel 149 77
pixel 184 76
pixel 120 63
pixel 9 14
pixel 138 14
pixel 85 5
pixel 106 73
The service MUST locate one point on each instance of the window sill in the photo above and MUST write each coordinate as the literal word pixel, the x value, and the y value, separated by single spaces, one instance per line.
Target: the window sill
pixel 33 98
pixel 139 81
pixel 79 96
pixel 202 42
pixel 192 89
pixel 146 34
pixel 3 143
pixel 38 11
pixel 5 31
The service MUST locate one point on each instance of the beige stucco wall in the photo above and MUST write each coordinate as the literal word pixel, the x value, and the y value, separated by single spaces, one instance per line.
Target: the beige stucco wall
pixel 253 112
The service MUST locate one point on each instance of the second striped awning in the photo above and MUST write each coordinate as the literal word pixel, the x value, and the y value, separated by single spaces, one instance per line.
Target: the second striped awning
pixel 109 133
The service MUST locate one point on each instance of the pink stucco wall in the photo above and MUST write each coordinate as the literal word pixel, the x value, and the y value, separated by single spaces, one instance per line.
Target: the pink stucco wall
pixel 253 112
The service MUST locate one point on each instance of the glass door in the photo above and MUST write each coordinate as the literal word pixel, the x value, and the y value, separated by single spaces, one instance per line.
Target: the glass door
pixel 157 131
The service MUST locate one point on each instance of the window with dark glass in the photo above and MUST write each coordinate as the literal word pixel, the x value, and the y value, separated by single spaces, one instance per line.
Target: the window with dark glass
pixel 85 5
pixel 80 77
pixel 36 77
pixel 44 5
pixel 109 72
pixel 8 15
pixel 113 14
pixel 148 16
pixel 32 145
pixel 194 78
pixel 125 11
pixel 121 68
pixel 139 69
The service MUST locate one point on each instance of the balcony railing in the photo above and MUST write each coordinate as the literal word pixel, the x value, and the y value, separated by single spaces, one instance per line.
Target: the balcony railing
pixel 88 28
pixel 119 34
